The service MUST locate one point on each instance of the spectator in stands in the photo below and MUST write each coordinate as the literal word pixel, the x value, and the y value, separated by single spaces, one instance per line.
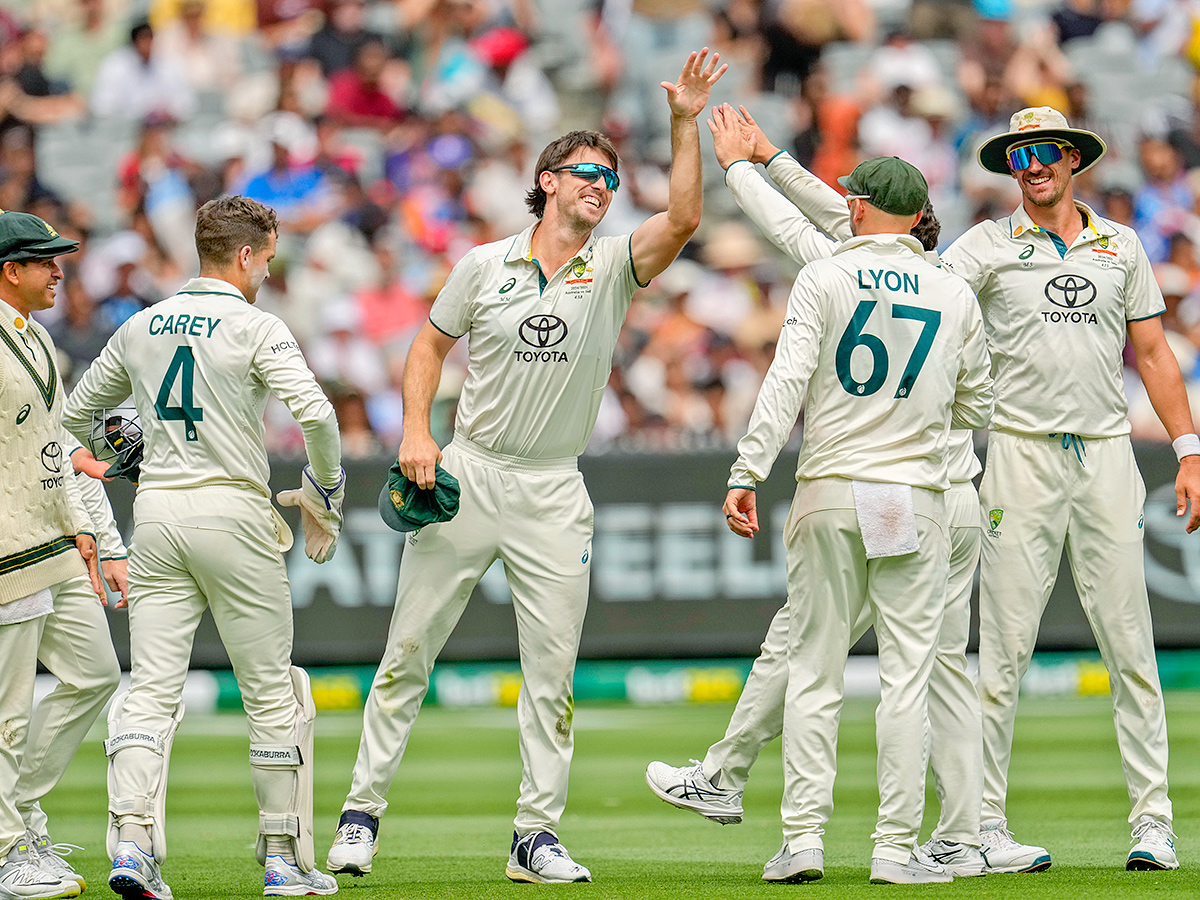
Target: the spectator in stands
pixel 795 32
pixel 20 187
pixel 134 81
pixel 212 61
pixel 344 33
pixel 300 195
pixel 81 333
pixel 80 44
pixel 358 97
pixel 1164 201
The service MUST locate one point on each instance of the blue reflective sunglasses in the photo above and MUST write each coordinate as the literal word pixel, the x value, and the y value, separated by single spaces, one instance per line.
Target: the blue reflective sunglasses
pixel 1046 152
pixel 589 172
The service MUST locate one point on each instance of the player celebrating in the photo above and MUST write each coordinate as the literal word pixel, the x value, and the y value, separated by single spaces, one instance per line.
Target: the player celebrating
pixel 543 310
pixel 199 366
pixel 713 787
pixel 866 525
pixel 1061 289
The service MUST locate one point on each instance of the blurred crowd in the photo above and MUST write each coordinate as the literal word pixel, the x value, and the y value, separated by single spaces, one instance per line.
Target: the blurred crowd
pixel 391 136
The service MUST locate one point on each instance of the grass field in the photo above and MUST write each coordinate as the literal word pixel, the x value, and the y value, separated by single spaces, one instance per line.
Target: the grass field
pixel 448 831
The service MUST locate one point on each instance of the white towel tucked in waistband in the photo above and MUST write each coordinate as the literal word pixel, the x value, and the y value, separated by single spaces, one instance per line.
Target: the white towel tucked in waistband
pixel 886 518
pixel 40 603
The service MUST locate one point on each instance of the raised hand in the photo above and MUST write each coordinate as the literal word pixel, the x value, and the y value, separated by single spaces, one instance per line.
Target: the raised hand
pixel 763 148
pixel 689 96
pixel 730 137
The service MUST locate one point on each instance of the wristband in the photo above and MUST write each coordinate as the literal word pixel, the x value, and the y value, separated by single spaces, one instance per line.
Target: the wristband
pixel 1186 445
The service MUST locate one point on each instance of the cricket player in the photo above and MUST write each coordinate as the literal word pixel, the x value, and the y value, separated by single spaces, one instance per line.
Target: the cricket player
pixel 77 649
pixel 48 555
pixel 713 787
pixel 883 352
pixel 543 309
pixel 199 366
pixel 1061 289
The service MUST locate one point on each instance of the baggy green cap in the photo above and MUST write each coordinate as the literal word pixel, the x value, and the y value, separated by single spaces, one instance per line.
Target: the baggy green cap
pixel 890 184
pixel 404 506
pixel 25 237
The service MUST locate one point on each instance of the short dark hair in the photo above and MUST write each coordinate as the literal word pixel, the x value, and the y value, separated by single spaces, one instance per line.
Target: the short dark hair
pixel 929 229
pixel 556 153
pixel 226 225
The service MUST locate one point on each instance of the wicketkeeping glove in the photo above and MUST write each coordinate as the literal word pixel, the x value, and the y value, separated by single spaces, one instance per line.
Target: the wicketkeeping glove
pixel 320 513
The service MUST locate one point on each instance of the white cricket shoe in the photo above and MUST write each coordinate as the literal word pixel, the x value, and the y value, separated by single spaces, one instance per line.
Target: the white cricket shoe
pixel 135 875
pixel 24 877
pixel 920 869
pixel 786 867
pixel 1153 846
pixel 282 879
pixel 540 859
pixel 1002 853
pixel 354 845
pixel 53 858
pixel 960 860
pixel 687 788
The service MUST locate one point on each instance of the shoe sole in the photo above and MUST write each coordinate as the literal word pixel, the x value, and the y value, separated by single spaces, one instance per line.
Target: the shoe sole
pixel 878 879
pixel 1147 864
pixel 797 877
pixel 130 888
pixel 721 817
pixel 965 871
pixel 300 890
pixel 349 869
pixel 1041 864
pixel 522 875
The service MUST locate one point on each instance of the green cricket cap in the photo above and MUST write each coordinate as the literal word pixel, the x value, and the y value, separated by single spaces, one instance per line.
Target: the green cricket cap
pixel 25 237
pixel 404 506
pixel 890 184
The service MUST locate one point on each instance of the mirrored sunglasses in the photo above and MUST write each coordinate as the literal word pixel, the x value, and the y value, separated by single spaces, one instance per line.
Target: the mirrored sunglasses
pixel 589 172
pixel 1045 152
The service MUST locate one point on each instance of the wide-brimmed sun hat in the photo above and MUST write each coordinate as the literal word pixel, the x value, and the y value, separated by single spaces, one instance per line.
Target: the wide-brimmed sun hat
pixel 1040 123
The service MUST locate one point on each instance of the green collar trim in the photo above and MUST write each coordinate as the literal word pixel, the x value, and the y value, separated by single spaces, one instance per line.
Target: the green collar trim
pixel 46 389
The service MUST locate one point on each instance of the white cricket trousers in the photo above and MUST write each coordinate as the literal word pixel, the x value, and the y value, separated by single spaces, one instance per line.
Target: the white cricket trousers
pixel 954 718
pixel 18 668
pixel 830 581
pixel 214 548
pixel 1040 496
pixel 536 516
pixel 75 646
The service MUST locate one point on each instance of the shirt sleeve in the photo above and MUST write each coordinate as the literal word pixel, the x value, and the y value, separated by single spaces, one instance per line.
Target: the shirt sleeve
pixel 280 365
pixel 100 515
pixel 970 257
pixel 81 521
pixel 779 221
pixel 783 391
pixel 1143 298
pixel 453 310
pixel 104 385
pixel 973 395
pixel 822 204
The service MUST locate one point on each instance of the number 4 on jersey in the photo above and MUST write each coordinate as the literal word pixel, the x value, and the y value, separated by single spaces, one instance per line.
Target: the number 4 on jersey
pixel 853 337
pixel 183 368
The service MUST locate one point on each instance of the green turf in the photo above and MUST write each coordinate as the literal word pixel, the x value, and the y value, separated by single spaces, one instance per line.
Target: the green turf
pixel 447 833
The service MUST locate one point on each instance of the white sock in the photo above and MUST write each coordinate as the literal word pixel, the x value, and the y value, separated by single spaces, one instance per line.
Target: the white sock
pixel 281 846
pixel 139 834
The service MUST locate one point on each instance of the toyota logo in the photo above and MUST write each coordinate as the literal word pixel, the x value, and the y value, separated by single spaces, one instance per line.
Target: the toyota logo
pixel 1070 291
pixel 543 331
pixel 52 457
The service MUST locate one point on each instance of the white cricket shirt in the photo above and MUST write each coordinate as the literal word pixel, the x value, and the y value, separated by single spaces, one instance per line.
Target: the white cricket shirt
pixel 795 227
pixel 1056 319
pixel 199 367
pixel 883 351
pixel 540 346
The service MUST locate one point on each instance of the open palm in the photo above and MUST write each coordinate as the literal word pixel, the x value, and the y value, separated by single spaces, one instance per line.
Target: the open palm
pixel 689 96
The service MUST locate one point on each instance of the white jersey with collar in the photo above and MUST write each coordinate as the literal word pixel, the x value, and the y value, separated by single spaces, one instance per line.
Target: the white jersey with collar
pixel 1057 322
pixel 883 351
pixel 199 367
pixel 788 225
pixel 540 347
